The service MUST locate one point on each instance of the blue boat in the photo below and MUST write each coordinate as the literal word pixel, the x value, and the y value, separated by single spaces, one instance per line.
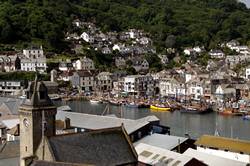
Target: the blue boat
pixel 246 117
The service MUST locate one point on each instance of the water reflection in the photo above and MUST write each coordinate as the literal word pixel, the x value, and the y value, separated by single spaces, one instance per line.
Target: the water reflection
pixel 180 123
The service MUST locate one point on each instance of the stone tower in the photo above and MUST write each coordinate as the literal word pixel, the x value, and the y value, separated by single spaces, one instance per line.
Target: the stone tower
pixel 37 118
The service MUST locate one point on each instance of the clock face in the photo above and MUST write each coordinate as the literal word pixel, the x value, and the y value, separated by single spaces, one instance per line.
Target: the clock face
pixel 26 122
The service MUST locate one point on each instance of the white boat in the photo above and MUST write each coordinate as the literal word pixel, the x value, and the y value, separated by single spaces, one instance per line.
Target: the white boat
pixel 93 101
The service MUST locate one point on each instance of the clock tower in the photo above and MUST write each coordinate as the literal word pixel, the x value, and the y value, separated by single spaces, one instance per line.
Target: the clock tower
pixel 37 119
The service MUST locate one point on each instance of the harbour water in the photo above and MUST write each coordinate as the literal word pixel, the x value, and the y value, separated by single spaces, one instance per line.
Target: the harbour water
pixel 180 123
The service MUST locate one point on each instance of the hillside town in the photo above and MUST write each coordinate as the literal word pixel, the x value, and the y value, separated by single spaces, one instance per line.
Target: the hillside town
pixel 34 131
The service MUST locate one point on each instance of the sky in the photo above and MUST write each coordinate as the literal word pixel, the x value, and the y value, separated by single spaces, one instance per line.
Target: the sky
pixel 247 2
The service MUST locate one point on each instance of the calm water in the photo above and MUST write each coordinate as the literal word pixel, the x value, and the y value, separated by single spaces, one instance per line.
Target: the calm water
pixel 180 123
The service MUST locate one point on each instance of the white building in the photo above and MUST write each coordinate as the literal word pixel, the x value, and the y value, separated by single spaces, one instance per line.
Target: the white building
pixel 34 64
pixel 65 66
pixel 13 88
pixel 33 53
pixel 218 54
pixel 34 60
pixel 84 64
pixel 139 84
pixel 87 37
pixel 172 87
pixel 195 88
pixel 248 73
pixel 234 149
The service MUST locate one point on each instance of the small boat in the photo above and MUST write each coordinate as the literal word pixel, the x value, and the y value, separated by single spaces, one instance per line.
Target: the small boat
pixel 55 97
pixel 159 108
pixel 132 105
pixel 231 112
pixel 94 101
pixel 246 117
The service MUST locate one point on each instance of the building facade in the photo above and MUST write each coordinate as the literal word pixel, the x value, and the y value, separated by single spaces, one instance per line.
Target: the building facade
pixel 139 84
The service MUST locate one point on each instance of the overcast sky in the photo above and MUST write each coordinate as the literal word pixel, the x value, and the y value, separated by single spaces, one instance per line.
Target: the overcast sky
pixel 246 2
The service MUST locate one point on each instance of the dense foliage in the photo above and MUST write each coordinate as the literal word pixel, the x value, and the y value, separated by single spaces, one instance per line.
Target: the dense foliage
pixel 174 23
pixel 22 76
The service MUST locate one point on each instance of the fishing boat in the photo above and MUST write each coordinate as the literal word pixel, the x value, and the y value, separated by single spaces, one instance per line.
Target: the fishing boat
pixel 159 108
pixel 195 110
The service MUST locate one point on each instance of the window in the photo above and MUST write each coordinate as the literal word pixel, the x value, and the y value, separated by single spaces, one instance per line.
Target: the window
pixel 42 95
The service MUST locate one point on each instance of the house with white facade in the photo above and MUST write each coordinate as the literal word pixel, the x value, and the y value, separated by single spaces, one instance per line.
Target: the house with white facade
pixel 139 84
pixel 188 51
pixel 11 88
pixel 172 87
pixel 232 43
pixel 195 88
pixel 87 37
pixel 66 66
pixel 84 64
pixel 34 60
pixel 83 80
pixel 247 76
pixel 217 54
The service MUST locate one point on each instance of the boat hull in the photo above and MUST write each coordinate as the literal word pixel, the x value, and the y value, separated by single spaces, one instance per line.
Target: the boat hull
pixel 195 111
pixel 159 108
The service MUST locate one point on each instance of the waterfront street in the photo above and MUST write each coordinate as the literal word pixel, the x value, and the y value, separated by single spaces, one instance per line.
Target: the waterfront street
pixel 180 123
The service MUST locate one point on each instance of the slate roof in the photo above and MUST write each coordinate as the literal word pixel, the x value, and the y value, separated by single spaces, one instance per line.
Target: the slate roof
pixel 105 147
pixel 9 149
pixel 84 73
pixel 10 106
pixel 95 122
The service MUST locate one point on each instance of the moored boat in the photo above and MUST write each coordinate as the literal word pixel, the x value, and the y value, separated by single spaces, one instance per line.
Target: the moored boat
pixel 55 97
pixel 133 105
pixel 159 108
pixel 115 102
pixel 195 110
pixel 246 117
pixel 94 101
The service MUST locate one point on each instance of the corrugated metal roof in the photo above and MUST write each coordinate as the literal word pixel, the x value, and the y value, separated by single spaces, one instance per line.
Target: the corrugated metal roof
pixel 168 142
pixel 223 143
pixel 157 156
